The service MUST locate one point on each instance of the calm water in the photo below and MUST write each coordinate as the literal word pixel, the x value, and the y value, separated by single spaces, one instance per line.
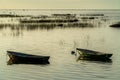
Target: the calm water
pixel 58 44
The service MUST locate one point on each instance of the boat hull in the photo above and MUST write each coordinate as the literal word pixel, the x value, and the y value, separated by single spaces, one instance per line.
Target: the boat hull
pixel 21 58
pixel 93 55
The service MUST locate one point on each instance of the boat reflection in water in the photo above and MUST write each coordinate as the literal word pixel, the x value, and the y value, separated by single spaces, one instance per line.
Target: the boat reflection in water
pixel 22 58
pixel 103 61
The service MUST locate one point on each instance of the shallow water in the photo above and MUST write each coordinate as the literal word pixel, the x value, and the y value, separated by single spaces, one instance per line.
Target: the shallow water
pixel 58 44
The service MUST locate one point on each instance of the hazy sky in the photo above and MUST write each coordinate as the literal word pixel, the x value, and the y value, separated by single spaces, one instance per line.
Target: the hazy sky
pixel 59 4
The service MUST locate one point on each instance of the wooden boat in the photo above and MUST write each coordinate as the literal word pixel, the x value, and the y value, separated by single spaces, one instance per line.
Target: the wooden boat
pixel 18 58
pixel 86 54
pixel 116 25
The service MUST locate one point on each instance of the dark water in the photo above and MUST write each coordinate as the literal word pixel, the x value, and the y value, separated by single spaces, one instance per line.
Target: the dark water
pixel 58 44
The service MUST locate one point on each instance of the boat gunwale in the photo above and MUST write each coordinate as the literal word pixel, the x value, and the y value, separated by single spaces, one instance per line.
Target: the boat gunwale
pixel 25 55
pixel 93 54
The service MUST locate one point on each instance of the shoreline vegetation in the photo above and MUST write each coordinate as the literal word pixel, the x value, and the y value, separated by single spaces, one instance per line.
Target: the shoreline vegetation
pixel 52 21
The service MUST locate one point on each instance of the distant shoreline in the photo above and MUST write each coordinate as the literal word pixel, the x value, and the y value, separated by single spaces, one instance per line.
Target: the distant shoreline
pixel 66 9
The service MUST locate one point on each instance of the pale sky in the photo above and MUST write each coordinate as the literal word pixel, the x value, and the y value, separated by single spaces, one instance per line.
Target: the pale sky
pixel 59 4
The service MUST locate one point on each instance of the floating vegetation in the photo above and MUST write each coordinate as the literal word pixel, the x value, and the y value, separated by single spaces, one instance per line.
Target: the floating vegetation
pixel 92 15
pixel 64 15
pixel 13 15
pixel 50 21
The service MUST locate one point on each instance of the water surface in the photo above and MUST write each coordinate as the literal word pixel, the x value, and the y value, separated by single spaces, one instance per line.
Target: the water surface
pixel 58 44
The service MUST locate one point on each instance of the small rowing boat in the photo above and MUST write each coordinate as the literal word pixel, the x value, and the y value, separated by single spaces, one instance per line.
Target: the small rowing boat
pixel 18 58
pixel 86 54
